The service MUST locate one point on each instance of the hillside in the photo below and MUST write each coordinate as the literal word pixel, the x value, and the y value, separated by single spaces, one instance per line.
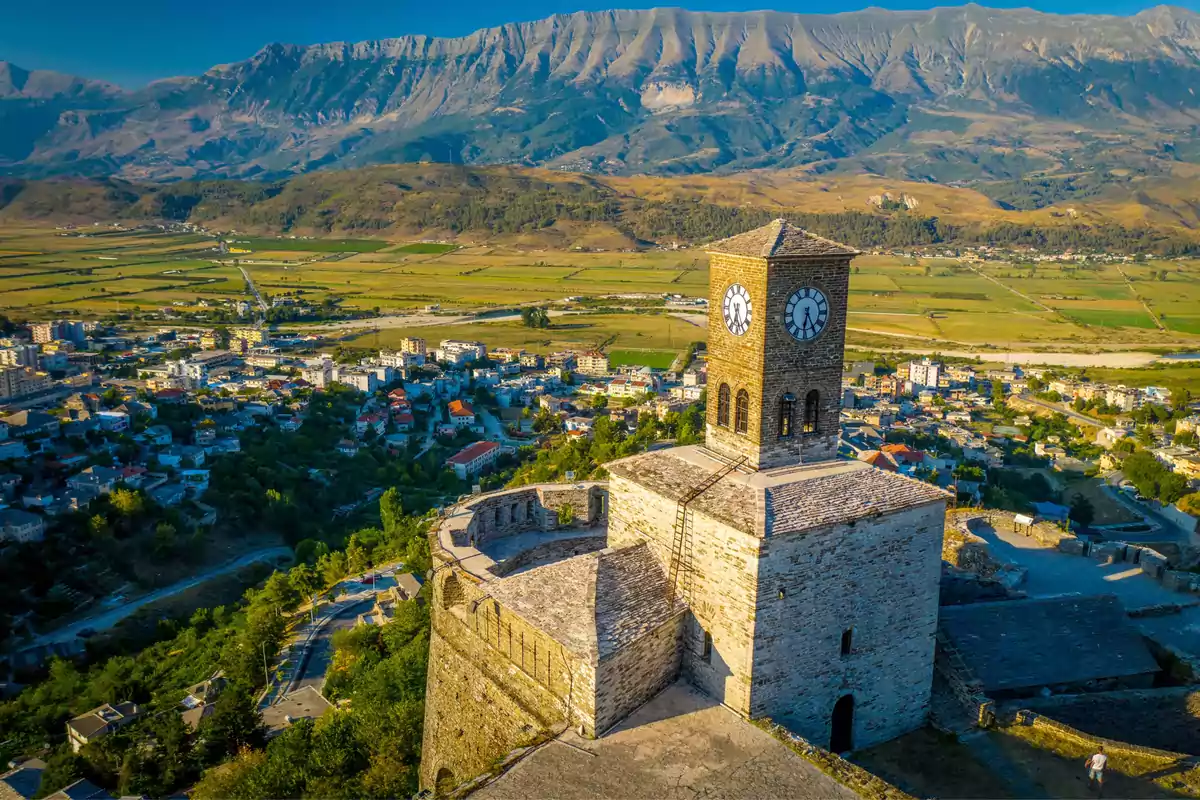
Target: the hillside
pixel 950 94
pixel 544 208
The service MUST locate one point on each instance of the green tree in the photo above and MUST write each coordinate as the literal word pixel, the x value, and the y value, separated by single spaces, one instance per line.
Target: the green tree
pixel 1082 510
pixel 234 724
pixel 304 580
pixel 391 510
pixel 280 590
pixel 127 502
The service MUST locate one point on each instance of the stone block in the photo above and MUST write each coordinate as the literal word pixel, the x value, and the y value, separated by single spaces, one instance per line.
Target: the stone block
pixel 1177 580
pixel 1074 547
pixel 1153 563
pixel 1108 552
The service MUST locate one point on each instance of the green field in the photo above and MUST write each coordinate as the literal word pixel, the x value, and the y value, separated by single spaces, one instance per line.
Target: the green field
pixel 425 248
pixel 655 359
pixel 901 300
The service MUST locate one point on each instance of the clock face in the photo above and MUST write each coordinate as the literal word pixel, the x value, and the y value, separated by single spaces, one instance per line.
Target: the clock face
pixel 737 309
pixel 806 313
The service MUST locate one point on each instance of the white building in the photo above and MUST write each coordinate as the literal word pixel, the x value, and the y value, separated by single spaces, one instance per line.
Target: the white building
pixel 924 373
pixel 458 352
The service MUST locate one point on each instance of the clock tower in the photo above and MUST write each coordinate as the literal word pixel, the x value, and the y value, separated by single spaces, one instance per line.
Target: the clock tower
pixel 776 338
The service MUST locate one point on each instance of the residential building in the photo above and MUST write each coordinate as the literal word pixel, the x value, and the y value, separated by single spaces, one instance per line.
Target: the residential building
pixel 458 352
pixel 462 415
pixel 99 722
pixel 20 526
pixel 26 424
pixel 20 382
pixel 101 479
pixel 593 363
pixel 474 458
pixel 114 421
pixel 924 373
pixel 21 355
pixel 1122 398
pixel 413 345
pixel 199 701
pixel 362 380
pixel 195 481
pixel 532 361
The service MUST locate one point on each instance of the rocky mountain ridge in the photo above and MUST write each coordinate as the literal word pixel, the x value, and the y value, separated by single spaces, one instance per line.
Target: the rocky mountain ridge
pixel 951 94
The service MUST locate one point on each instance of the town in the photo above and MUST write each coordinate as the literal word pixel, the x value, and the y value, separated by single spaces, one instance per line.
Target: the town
pixel 106 429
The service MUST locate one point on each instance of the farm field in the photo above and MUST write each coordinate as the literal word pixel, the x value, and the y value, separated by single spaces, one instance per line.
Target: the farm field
pixel 931 301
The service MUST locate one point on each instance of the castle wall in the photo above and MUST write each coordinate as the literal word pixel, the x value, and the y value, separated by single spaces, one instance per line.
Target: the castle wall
pixel 495 683
pixel 532 508
pixel 637 672
pixel 724 586
pixel 879 579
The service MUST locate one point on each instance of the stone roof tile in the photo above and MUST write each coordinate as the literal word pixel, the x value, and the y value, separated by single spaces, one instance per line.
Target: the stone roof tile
pixel 842 497
pixel 631 597
pixel 1027 644
pixel 780 239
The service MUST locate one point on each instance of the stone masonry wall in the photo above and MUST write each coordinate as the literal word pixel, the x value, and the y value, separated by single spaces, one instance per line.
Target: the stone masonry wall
pixel 768 363
pixel 723 587
pixel 495 683
pixel 878 579
pixel 533 508
pixel 635 674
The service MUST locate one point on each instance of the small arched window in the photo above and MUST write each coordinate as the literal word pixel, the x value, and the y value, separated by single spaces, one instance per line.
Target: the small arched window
pixel 723 406
pixel 741 414
pixel 812 411
pixel 787 411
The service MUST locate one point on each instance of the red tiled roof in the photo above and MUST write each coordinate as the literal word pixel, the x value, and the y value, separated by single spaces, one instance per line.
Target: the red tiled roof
pixel 461 408
pixel 878 459
pixel 472 452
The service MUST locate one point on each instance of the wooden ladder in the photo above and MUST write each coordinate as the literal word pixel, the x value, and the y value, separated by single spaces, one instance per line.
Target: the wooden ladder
pixel 680 564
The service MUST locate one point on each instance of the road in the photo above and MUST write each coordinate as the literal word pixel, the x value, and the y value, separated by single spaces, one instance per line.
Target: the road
pixel 1074 416
pixel 110 617
pixel 262 304
pixel 320 648
pixel 1167 529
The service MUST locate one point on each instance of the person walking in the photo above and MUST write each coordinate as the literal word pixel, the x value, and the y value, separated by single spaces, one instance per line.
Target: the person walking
pixel 1095 767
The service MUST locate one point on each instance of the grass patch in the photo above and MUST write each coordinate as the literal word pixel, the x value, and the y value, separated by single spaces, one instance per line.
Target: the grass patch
pixel 1111 319
pixel 425 248
pixel 1056 762
pixel 655 359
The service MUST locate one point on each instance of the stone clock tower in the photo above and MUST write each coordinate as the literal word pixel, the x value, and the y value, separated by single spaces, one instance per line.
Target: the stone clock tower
pixel 776 336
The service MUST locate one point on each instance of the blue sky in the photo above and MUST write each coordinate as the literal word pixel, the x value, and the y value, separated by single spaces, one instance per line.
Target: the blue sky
pixel 131 42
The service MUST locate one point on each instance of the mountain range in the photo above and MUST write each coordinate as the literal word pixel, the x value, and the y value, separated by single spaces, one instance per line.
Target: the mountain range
pixel 948 95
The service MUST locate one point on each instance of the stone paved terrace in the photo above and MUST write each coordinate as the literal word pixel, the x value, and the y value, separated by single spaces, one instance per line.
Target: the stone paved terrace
pixel 681 744
pixel 1052 573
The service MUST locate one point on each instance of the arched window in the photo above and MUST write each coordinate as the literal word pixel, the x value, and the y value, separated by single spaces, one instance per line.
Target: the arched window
pixel 812 410
pixel 787 411
pixel 741 414
pixel 723 406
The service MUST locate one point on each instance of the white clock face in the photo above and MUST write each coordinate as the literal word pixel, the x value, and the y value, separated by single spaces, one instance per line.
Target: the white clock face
pixel 737 309
pixel 806 313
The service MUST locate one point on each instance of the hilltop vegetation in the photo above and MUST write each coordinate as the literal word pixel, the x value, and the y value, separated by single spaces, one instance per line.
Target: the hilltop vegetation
pixel 541 208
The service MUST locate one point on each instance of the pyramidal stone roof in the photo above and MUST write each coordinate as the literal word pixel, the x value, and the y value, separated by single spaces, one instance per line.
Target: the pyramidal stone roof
pixel 780 239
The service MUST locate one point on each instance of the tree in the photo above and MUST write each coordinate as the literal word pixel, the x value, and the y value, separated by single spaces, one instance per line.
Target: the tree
pixel 391 510
pixel 304 579
pixel 535 318
pixel 566 514
pixel 127 502
pixel 165 538
pixel 1190 504
pixel 332 567
pixel 234 724
pixel 1082 510
pixel 280 590
pixel 98 527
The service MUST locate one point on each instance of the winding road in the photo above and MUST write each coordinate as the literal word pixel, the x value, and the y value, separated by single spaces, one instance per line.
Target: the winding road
pixel 108 618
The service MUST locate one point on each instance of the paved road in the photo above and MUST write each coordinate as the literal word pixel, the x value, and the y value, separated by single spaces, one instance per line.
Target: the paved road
pixel 110 617
pixel 262 304
pixel 320 650
pixel 1074 416
pixel 1168 529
